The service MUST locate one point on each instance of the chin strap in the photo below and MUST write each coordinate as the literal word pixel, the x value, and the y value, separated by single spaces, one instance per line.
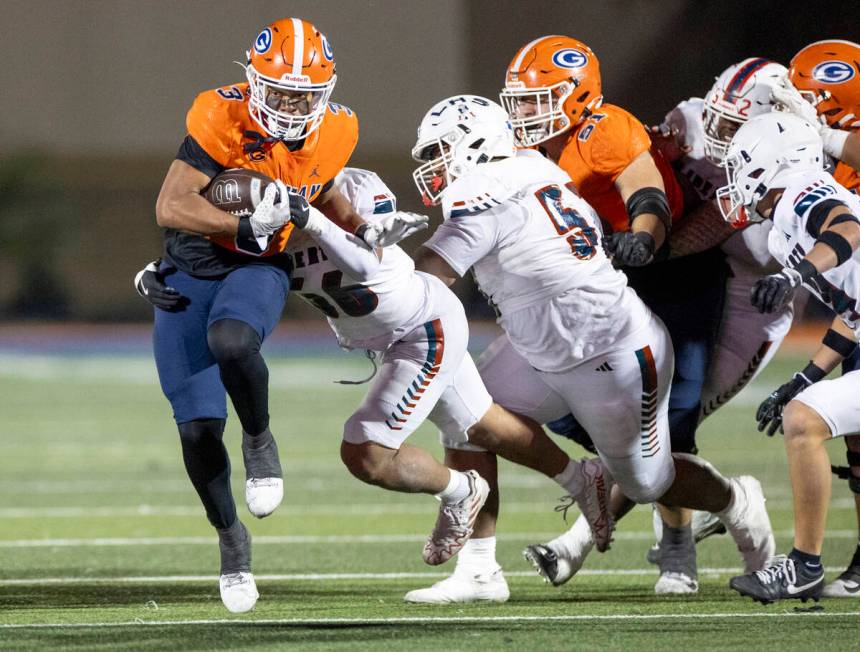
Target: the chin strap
pixel 844 472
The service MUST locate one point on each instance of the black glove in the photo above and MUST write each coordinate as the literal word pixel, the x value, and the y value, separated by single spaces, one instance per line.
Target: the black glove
pixel 772 293
pixel 770 410
pixel 629 249
pixel 149 284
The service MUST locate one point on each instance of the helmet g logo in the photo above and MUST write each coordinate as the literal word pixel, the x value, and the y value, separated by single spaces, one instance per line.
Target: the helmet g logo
pixel 832 72
pixel 263 41
pixel 570 58
pixel 327 53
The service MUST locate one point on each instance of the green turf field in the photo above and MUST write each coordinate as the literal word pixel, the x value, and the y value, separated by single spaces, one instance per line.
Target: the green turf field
pixel 103 544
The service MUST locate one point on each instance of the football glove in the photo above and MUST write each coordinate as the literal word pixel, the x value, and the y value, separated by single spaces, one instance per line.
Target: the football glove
pixel 769 413
pixel 772 293
pixel 630 249
pixel 392 229
pixel 149 283
pixel 275 209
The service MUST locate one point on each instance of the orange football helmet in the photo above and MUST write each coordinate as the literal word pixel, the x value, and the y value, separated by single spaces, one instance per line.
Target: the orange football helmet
pixel 291 77
pixel 552 84
pixel 827 74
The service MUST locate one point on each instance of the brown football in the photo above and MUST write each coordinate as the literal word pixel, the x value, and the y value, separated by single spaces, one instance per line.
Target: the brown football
pixel 237 191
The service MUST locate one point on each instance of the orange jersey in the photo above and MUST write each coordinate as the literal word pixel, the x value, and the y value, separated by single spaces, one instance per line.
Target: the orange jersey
pixel 220 123
pixel 599 149
pixel 847 177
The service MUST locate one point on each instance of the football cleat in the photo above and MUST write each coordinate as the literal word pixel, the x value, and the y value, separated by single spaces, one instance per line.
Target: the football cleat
pixel 704 525
pixel 264 484
pixel 238 592
pixel 783 579
pixel 748 523
pixel 560 559
pixel 593 502
pixel 678 574
pixel 464 586
pixel 847 585
pixel 456 522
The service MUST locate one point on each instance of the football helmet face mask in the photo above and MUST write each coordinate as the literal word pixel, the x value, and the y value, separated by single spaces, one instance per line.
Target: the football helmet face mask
pixel 827 74
pixel 456 135
pixel 765 149
pixel 291 75
pixel 552 84
pixel 740 92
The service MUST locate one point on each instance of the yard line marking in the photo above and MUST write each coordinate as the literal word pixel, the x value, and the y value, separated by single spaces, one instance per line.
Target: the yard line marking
pixel 322 538
pixel 338 509
pixel 334 577
pixel 415 620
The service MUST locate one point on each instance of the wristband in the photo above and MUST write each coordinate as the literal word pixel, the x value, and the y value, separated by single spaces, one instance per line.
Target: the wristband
pixel 844 346
pixel 650 200
pixel 806 270
pixel 811 373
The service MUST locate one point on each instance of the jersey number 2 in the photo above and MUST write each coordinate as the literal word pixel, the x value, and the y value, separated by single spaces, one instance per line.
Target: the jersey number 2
pixel 581 236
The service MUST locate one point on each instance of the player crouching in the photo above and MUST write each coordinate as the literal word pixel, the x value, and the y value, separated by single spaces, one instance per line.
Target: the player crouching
pixel 775 171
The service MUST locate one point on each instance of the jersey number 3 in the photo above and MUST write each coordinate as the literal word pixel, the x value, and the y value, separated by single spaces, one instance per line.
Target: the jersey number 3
pixel 581 236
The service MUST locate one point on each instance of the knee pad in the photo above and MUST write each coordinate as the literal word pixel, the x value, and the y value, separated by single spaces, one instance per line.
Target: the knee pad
pixel 230 339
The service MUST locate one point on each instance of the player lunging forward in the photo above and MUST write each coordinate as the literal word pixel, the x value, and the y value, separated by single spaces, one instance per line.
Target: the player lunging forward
pixel 775 171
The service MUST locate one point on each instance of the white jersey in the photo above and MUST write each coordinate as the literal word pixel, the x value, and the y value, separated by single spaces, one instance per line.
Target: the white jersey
pixel 789 241
pixel 747 250
pixel 535 251
pixel 375 313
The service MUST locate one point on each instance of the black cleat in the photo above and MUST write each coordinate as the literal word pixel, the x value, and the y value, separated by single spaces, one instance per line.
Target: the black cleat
pixel 546 563
pixel 783 579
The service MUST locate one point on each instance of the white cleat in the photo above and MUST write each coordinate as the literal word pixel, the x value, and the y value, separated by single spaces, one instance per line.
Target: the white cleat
pixel 672 583
pixel 456 522
pixel 464 586
pixel 847 585
pixel 263 495
pixel 747 521
pixel 593 502
pixel 238 592
pixel 560 559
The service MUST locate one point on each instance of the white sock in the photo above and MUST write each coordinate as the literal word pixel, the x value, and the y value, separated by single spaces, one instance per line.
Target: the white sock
pixel 733 501
pixel 577 538
pixel 571 478
pixel 457 489
pixel 479 555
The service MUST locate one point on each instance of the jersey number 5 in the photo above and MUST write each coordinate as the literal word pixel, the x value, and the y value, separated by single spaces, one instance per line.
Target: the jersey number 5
pixel 354 300
pixel 581 236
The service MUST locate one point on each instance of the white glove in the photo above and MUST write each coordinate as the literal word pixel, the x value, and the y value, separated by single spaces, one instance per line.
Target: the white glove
pixel 789 99
pixel 393 228
pixel 272 212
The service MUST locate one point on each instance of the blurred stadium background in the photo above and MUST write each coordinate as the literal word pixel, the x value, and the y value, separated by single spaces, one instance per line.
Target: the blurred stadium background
pixel 95 95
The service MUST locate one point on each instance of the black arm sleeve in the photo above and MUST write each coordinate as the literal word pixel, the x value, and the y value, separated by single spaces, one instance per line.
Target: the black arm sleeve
pixel 192 153
pixel 819 214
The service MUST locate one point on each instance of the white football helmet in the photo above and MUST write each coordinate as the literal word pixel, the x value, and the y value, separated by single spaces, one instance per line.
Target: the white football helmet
pixel 764 150
pixel 740 92
pixel 456 135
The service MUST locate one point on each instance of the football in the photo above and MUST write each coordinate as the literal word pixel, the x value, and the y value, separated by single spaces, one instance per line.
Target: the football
pixel 237 191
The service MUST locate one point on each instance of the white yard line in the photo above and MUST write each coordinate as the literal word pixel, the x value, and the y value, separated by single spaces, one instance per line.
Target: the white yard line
pixel 415 620
pixel 333 577
pixel 643 535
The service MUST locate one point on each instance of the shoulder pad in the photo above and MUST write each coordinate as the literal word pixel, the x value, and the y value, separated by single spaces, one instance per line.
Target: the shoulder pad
pixel 478 191
pixel 808 190
pixel 216 120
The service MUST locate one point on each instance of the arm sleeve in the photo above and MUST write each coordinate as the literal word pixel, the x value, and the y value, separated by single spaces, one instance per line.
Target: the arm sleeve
pixel 818 215
pixel 462 242
pixel 192 153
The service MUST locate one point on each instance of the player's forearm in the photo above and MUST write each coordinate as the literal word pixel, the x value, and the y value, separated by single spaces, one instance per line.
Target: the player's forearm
pixel 823 256
pixel 839 342
pixel 348 252
pixel 851 151
pixel 190 211
pixel 651 224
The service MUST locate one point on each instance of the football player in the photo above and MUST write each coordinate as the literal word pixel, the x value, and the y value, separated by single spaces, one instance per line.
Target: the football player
pixel 827 76
pixel 775 171
pixel 230 277
pixel 416 327
pixel 535 249
pixel 554 99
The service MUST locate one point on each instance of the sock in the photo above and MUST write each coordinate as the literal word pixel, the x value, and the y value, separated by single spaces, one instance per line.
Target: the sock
pixel 571 478
pixel 811 562
pixel 576 539
pixel 479 555
pixel 736 489
pixel 458 488
pixel 676 536
pixel 855 560
pixel 234 543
